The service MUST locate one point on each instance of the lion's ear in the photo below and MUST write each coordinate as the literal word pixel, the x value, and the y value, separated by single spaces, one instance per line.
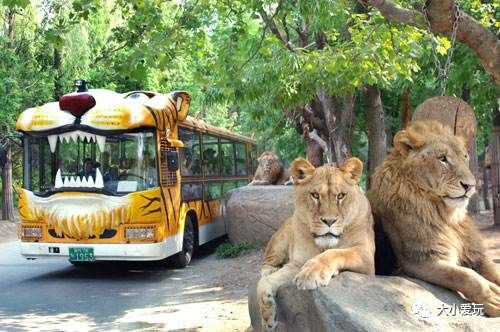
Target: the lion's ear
pixel 464 140
pixel 301 170
pixel 353 169
pixel 406 140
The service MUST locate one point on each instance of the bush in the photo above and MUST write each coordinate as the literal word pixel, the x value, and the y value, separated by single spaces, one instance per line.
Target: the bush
pixel 228 250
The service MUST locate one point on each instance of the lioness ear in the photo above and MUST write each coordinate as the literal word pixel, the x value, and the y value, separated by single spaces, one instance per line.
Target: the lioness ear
pixel 406 140
pixel 301 170
pixel 353 169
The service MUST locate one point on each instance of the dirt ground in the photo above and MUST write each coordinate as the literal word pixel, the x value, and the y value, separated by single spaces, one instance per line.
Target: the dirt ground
pixel 490 233
pixel 233 276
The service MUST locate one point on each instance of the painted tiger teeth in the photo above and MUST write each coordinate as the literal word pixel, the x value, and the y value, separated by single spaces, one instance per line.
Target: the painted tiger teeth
pixel 75 136
pixel 79 182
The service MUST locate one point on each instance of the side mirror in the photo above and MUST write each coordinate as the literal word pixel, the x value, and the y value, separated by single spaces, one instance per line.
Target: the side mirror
pixel 172 161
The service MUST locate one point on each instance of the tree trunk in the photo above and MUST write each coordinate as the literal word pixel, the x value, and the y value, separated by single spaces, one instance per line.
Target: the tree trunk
pixel 480 39
pixel 377 141
pixel 405 111
pixel 495 166
pixel 339 123
pixel 57 77
pixel 474 167
pixel 347 125
pixel 11 23
pixel 7 196
pixel 329 106
pixel 314 153
pixel 484 188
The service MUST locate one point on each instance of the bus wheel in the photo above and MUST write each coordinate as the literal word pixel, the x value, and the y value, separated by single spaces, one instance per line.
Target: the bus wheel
pixel 183 258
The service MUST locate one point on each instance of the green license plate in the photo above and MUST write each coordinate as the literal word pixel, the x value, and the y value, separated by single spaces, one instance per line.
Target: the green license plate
pixel 81 254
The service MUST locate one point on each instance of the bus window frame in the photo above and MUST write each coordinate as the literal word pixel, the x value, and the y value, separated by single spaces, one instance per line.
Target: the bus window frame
pixel 220 178
pixel 232 142
pixel 204 175
pixel 200 147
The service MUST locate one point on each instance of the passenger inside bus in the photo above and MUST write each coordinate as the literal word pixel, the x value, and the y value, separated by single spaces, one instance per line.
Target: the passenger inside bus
pixel 109 173
pixel 211 162
pixel 149 173
pixel 88 168
pixel 123 168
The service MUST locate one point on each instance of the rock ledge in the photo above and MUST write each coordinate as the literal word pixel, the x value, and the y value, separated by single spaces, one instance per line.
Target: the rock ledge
pixel 355 302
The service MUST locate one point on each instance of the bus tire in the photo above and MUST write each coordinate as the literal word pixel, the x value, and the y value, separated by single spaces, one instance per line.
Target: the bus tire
pixel 183 258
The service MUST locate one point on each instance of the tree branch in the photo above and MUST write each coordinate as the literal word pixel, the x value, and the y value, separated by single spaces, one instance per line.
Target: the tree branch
pixel 271 25
pixel 482 41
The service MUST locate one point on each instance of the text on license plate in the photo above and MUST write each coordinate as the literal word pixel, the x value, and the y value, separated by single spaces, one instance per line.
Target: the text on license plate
pixel 81 254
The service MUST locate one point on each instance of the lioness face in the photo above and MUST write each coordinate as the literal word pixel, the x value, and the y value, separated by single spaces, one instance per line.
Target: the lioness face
pixel 439 163
pixel 326 197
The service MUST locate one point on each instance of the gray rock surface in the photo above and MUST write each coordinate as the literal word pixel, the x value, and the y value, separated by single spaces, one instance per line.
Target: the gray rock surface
pixel 355 302
pixel 254 213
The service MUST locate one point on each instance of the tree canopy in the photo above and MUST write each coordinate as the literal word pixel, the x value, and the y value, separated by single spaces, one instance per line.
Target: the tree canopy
pixel 257 67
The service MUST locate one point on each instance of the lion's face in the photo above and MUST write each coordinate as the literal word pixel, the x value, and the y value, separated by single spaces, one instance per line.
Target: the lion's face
pixel 327 197
pixel 437 162
pixel 269 163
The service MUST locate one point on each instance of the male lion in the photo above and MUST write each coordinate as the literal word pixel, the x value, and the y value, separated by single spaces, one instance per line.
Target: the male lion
pixel 270 171
pixel 330 231
pixel 420 193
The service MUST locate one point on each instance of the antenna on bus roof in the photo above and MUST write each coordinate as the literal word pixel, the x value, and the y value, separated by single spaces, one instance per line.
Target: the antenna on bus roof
pixel 81 85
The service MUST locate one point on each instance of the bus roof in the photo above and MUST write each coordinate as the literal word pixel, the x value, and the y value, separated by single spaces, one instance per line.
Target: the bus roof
pixel 202 126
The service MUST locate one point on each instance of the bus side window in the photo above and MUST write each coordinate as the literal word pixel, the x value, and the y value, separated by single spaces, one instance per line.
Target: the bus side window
pixel 241 159
pixel 254 159
pixel 227 157
pixel 211 166
pixel 191 192
pixel 190 155
pixel 212 190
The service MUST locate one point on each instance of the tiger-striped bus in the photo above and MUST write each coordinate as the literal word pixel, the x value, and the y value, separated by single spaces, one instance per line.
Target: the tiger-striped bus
pixel 111 176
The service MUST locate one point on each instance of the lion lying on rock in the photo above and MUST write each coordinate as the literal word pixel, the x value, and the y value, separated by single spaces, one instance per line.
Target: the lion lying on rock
pixel 420 193
pixel 330 231
pixel 270 171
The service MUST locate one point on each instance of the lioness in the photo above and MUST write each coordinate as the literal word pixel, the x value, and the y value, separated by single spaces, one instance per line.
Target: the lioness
pixel 420 193
pixel 330 231
pixel 270 171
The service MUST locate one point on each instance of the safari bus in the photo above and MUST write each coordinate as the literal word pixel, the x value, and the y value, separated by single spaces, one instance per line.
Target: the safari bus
pixel 111 176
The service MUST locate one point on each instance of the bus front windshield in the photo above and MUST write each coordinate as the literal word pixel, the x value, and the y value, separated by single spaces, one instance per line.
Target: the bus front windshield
pixel 121 164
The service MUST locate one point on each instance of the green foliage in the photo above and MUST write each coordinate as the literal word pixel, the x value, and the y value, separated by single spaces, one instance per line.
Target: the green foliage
pixel 228 250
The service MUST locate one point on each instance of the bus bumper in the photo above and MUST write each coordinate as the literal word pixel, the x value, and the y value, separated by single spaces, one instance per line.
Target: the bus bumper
pixel 105 252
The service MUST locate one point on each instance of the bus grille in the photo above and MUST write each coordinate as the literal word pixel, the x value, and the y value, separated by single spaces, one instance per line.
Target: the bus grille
pixel 107 234
pixel 168 178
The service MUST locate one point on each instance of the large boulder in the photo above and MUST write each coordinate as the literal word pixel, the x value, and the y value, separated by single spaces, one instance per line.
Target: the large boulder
pixel 254 213
pixel 356 302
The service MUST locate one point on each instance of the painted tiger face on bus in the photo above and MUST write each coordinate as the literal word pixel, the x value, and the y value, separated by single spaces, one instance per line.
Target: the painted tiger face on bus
pixel 91 158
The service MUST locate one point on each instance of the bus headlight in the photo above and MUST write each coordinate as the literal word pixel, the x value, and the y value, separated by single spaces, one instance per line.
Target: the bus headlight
pixel 140 233
pixel 31 232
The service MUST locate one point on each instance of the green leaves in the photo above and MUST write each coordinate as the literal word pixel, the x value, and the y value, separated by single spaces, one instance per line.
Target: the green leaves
pixel 15 3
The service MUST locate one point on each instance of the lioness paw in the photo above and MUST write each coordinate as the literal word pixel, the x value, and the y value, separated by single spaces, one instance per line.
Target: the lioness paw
pixel 492 302
pixel 269 324
pixel 314 275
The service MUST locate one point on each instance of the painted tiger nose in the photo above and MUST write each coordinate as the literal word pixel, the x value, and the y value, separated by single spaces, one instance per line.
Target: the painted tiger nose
pixel 77 103
pixel 329 221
